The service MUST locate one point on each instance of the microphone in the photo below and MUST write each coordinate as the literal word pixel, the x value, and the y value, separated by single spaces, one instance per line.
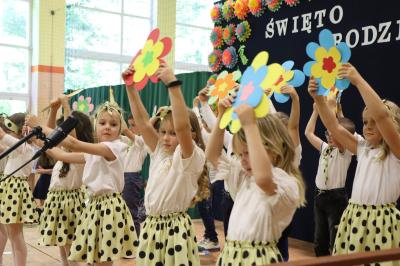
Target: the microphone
pixel 57 135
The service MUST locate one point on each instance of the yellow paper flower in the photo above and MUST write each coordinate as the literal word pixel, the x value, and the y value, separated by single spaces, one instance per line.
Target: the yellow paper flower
pixel 277 77
pixel 326 66
pixel 260 111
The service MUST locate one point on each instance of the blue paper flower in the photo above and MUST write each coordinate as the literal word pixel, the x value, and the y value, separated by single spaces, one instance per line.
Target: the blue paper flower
pixel 327 59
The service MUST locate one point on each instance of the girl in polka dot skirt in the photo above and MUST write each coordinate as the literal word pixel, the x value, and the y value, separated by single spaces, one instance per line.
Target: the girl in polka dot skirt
pixel 176 175
pixel 17 205
pixel 263 181
pixel 371 220
pixel 105 230
pixel 65 200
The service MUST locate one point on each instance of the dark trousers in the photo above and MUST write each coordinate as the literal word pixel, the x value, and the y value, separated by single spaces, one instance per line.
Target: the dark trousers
pixel 328 209
pixel 283 243
pixel 131 195
pixel 207 216
pixel 227 206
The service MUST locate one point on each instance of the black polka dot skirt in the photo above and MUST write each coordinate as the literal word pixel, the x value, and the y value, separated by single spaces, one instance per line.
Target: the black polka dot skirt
pixel 368 228
pixel 248 253
pixel 167 240
pixel 105 231
pixel 59 219
pixel 16 202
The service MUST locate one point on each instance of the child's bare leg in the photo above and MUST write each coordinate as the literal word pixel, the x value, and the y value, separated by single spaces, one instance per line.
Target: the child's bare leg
pixel 16 236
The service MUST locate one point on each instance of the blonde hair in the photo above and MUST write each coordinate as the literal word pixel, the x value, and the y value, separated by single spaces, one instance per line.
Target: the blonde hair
pixel 203 191
pixel 394 112
pixel 276 138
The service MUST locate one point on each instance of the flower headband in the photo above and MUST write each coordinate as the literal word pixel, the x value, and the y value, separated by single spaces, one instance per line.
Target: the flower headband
pixel 163 111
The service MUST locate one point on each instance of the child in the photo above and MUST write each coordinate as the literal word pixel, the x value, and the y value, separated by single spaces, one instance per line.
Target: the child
pixel 17 205
pixel 65 201
pixel 330 198
pixel 44 168
pixel 265 185
pixel 371 220
pixel 105 231
pixel 176 175
pixel 134 160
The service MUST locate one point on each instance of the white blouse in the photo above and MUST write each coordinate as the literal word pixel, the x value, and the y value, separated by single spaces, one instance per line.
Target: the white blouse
pixel 136 154
pixel 375 182
pixel 18 157
pixel 334 174
pixel 172 182
pixel 73 179
pixel 101 176
pixel 257 216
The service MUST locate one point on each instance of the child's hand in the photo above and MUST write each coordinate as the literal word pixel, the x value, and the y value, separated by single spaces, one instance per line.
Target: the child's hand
pixel 203 94
pixel 288 89
pixel 245 114
pixel 128 72
pixel 225 103
pixel 196 101
pixel 55 104
pixel 165 74
pixel 32 121
pixel 312 87
pixel 63 99
pixel 331 101
pixel 350 72
pixel 267 91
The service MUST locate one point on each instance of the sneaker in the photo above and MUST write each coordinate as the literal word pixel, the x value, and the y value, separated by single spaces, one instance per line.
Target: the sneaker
pixel 207 244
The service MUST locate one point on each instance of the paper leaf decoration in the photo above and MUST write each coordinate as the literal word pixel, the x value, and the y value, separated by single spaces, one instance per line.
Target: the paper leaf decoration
pixel 148 59
pixel 83 105
pixel 223 85
pixel 327 59
pixel 250 93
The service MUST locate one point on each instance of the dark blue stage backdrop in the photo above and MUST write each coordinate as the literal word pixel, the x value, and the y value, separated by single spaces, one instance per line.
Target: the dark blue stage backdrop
pixel 370 28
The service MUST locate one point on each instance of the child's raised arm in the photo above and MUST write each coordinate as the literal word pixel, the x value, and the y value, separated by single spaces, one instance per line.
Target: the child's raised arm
pixel 310 130
pixel 138 110
pixel 261 166
pixel 54 106
pixel 216 139
pixel 294 118
pixel 180 114
pixel 373 102
pixel 330 121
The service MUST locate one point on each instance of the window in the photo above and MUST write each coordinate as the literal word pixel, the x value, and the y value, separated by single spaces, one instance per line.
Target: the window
pixel 101 39
pixel 15 42
pixel 193 28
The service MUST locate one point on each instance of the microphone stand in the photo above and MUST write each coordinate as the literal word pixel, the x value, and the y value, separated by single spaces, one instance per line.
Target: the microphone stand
pixel 36 131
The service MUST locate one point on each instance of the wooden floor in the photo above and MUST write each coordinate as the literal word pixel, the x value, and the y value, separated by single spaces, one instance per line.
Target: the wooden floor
pixel 48 256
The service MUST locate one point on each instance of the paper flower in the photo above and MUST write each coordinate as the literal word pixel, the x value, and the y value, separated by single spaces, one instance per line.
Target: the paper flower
pixel 228 35
pixel 292 2
pixel 250 93
pixel 211 80
pixel 229 57
pixel 227 10
pixel 274 5
pixel 83 105
pixel 148 59
pixel 216 37
pixel 216 14
pixel 241 9
pixel 243 31
pixel 257 7
pixel 327 59
pixel 215 60
pixel 223 85
pixel 281 75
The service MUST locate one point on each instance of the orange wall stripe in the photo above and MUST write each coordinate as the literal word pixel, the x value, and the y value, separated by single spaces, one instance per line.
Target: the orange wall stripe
pixel 48 69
